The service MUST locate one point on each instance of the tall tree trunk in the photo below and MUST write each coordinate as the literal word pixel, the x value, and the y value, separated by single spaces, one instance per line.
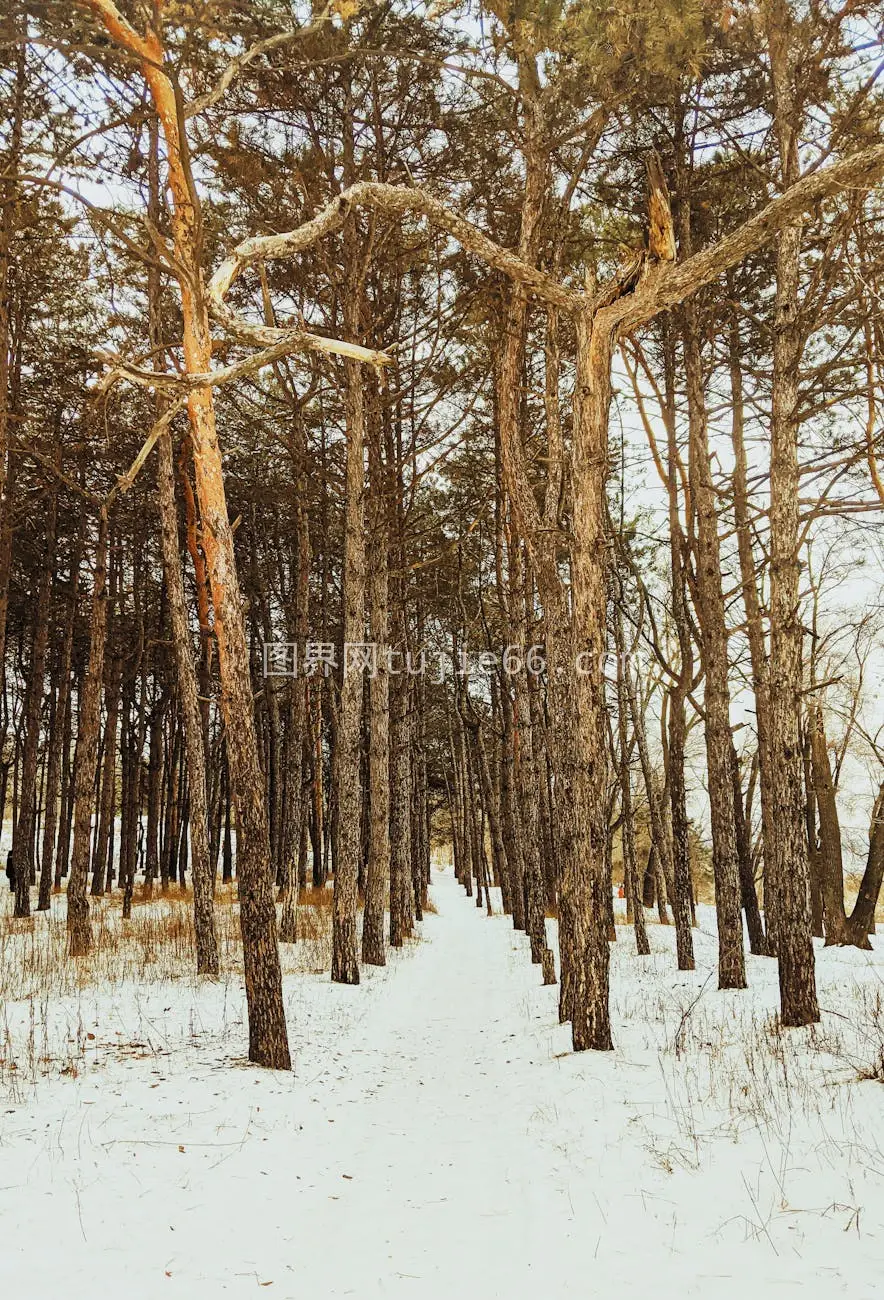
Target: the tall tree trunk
pixel 191 718
pixel 754 625
pixel 66 818
pixel 378 871
pixel 713 628
pixel 188 689
pixel 627 824
pixel 107 777
pixel 10 370
pixel 345 949
pixel 813 850
pixel 676 715
pixel 23 832
pixel 298 704
pixel 834 916
pixel 401 907
pixel 79 928
pixel 584 879
pixel 754 923
pixel 530 766
pixel 268 1042
pixel 794 944
pixel 60 731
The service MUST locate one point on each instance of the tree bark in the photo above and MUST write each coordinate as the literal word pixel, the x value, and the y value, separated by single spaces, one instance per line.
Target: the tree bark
pixel 713 627
pixel 23 832
pixel 78 924
pixel 831 862
pixel 268 1042
pixel 378 869
pixel 347 753
pixel 298 705
pixel 754 626
pixel 794 945
pixel 60 732
pixel 862 918
pixel 627 825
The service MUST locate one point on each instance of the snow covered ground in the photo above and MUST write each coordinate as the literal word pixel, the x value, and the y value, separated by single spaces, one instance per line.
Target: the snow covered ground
pixel 437 1137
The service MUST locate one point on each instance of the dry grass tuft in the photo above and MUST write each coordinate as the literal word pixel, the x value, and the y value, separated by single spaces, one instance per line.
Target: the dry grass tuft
pixel 155 944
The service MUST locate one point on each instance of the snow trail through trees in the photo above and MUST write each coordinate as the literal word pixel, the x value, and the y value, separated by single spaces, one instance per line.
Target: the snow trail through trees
pixel 437 1138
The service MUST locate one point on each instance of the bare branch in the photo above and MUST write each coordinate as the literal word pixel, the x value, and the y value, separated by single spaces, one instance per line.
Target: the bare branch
pixel 235 66
pixel 667 286
pixel 397 200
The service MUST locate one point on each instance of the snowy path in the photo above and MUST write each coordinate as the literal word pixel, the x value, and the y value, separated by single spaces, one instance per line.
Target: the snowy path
pixel 437 1139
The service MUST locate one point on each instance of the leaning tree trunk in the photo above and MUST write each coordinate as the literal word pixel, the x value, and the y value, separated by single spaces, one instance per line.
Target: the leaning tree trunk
pixel 862 918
